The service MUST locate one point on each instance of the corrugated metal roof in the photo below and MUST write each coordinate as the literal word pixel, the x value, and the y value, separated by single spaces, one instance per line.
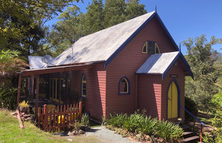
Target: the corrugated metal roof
pixel 101 45
pixel 39 62
pixel 158 63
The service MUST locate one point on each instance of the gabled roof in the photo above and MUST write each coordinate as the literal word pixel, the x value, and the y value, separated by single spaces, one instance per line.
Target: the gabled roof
pixel 39 62
pixel 104 45
pixel 162 63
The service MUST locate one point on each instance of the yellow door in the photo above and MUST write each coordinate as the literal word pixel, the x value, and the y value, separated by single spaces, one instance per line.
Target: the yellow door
pixel 172 101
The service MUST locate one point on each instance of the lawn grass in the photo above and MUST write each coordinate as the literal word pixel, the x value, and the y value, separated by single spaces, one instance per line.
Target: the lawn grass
pixel 10 132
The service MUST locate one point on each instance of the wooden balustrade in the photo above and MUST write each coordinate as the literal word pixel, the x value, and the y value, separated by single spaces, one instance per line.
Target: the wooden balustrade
pixel 52 119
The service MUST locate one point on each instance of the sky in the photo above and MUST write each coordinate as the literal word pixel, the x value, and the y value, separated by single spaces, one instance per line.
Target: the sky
pixel 183 19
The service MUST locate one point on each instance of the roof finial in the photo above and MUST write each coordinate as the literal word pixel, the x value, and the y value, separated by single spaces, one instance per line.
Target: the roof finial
pixel 180 47
pixel 155 8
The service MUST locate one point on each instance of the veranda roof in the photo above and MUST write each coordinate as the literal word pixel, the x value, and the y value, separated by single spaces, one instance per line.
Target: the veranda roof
pixel 162 63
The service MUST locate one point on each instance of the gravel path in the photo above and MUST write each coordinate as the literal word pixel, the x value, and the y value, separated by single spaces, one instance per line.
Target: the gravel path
pixel 107 136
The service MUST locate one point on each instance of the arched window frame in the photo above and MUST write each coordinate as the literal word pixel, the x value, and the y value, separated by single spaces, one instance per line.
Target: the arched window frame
pixel 128 86
pixel 82 82
pixel 157 47
pixel 145 46
pixel 152 50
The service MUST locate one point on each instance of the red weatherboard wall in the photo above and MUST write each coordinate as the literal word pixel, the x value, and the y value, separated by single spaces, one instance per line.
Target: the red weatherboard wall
pixel 95 103
pixel 149 94
pixel 127 62
pixel 179 70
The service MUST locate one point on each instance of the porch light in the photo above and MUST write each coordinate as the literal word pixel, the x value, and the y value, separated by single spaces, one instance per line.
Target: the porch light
pixel 64 85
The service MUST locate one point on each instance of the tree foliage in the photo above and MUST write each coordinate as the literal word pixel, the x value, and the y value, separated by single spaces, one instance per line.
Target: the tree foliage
pixel 206 67
pixel 22 23
pixel 10 63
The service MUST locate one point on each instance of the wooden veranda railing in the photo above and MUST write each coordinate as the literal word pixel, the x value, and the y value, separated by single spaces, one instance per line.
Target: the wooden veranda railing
pixel 56 119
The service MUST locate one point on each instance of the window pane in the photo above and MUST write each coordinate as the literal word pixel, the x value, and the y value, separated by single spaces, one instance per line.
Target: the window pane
pixel 84 85
pixel 150 47
pixel 58 87
pixel 51 86
pixel 84 91
pixel 54 83
pixel 123 86
pixel 61 83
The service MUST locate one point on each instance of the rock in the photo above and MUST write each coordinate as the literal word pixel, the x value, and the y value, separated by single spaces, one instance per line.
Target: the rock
pixel 75 132
pixel 27 119
pixel 14 114
pixel 69 140
pixel 81 132
pixel 70 133
pixel 26 115
pixel 147 137
pixel 161 139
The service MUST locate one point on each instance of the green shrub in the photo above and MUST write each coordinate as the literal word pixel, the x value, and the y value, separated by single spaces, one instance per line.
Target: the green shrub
pixel 148 126
pixel 168 131
pixel 85 120
pixel 8 97
pixel 132 122
pixel 217 120
pixel 217 136
pixel 116 120
pixel 140 123
pixel 191 106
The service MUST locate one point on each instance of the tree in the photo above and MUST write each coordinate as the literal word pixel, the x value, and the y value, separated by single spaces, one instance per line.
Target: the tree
pixel 10 63
pixel 22 23
pixel 66 31
pixel 114 12
pixel 206 67
pixel 94 17
pixel 134 9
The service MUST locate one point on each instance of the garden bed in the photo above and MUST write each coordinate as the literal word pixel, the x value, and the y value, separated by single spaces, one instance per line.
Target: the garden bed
pixel 142 128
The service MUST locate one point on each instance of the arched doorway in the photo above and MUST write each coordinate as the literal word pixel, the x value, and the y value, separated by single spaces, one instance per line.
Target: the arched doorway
pixel 173 96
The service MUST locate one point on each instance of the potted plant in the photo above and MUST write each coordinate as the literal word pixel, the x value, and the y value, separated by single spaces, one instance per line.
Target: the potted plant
pixel 24 107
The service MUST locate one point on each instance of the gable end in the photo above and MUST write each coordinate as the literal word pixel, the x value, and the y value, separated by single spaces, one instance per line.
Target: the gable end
pixel 136 32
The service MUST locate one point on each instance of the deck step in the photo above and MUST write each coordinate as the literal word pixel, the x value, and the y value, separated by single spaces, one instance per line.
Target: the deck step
pixel 190 138
pixel 187 133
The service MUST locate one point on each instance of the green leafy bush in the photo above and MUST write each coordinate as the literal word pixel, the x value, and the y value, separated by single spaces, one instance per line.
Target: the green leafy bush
pixel 148 125
pixel 132 122
pixel 191 106
pixel 217 136
pixel 217 120
pixel 8 97
pixel 85 120
pixel 168 130
pixel 117 120
pixel 140 123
